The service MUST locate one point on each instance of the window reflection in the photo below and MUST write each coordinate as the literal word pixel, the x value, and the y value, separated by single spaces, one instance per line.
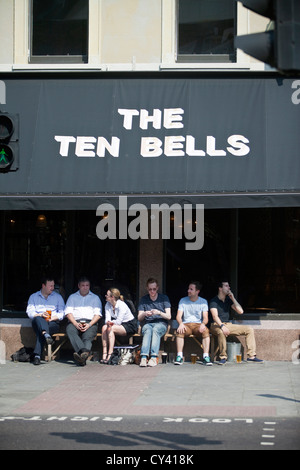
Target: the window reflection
pixel 268 259
pixel 63 244
pixel 205 265
pixel 59 28
pixel 206 28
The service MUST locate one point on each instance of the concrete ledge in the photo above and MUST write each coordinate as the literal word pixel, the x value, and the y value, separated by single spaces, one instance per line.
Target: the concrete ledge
pixel 15 333
pixel 275 340
pixel 271 324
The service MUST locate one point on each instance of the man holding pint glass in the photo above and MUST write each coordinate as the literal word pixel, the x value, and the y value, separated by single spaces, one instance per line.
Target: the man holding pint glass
pixel 45 308
pixel 83 310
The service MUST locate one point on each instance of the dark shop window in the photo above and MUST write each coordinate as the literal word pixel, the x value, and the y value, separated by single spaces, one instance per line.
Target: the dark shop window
pixel 206 265
pixel 269 260
pixel 262 253
pixel 63 244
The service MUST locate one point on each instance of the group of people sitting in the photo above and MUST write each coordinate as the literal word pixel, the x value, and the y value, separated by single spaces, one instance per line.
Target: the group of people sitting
pixel 83 309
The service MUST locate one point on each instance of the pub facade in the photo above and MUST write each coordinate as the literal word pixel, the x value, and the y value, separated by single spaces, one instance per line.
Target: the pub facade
pixel 175 157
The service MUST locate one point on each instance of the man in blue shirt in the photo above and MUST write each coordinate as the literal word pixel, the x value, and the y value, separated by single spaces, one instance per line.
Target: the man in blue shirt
pixel 192 316
pixel 45 308
pixel 154 311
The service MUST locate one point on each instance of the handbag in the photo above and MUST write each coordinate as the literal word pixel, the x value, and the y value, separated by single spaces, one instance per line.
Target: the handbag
pixel 22 355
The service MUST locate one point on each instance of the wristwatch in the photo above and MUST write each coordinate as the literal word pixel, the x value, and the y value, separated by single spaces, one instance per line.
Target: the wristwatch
pixel 221 326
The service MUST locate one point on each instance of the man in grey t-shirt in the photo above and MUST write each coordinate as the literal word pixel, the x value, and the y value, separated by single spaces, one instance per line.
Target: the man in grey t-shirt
pixel 192 316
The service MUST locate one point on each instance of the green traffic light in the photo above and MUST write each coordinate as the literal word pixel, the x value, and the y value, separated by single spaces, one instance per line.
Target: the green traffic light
pixel 9 139
pixel 6 157
pixel 3 157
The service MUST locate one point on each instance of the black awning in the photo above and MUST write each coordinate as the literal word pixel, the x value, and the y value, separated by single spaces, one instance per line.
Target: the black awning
pixel 224 141
pixel 92 201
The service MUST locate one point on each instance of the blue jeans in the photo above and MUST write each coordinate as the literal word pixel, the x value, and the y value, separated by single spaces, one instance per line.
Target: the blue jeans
pixel 152 332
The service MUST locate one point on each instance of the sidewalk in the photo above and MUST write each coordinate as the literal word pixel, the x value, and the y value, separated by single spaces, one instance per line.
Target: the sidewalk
pixel 60 388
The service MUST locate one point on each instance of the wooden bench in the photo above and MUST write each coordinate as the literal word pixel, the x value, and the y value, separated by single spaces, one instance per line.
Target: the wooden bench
pixel 62 338
pixel 165 337
pixel 172 335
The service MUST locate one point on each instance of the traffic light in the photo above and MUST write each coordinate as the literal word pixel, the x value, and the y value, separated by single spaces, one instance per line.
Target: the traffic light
pixel 9 137
pixel 279 47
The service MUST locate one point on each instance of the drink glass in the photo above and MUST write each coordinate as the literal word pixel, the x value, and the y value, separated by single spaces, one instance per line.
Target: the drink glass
pixel 238 358
pixel 193 358
pixel 49 313
pixel 164 357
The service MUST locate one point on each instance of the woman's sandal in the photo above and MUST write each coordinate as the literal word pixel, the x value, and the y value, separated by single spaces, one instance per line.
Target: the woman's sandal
pixel 103 361
pixel 106 361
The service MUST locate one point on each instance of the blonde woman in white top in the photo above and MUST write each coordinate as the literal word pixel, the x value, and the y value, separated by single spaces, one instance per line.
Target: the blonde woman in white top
pixel 118 321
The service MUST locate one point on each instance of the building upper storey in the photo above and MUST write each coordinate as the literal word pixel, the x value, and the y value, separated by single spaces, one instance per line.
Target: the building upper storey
pixel 125 35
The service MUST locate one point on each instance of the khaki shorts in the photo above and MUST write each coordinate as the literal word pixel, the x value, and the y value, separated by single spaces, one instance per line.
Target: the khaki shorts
pixel 193 329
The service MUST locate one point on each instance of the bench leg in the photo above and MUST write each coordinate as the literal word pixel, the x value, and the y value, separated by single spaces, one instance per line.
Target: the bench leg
pixel 197 341
pixel 49 352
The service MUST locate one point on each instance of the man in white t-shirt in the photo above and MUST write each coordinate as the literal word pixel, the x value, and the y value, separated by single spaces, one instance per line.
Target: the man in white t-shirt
pixel 192 316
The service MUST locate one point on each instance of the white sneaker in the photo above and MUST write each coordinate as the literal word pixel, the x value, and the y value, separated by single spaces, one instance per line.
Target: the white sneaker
pixel 143 362
pixel 152 362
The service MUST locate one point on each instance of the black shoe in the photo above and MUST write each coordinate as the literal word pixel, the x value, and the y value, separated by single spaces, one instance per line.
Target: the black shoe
pixel 36 361
pixel 49 340
pixel 80 359
pixel 84 355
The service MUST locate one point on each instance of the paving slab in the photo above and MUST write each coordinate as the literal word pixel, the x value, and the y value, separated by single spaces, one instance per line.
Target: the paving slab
pixel 236 390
